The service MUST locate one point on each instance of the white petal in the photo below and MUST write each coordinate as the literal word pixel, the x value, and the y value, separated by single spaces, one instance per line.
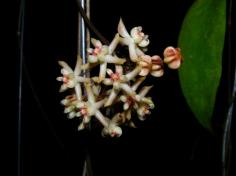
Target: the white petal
pixel 169 59
pixel 96 43
pixel 109 72
pixel 116 85
pixel 144 91
pixel 125 41
pixel 119 69
pixel 144 43
pixel 141 113
pixel 123 98
pixel 78 92
pixel 144 64
pixel 148 101
pixel 70 84
pixel 81 104
pixel 82 79
pixel 122 30
pixel 104 132
pixel 78 114
pixel 66 72
pixel 113 60
pixel 157 73
pixel 138 97
pixel 99 104
pixel 104 51
pixel 132 125
pixel 71 115
pixel 136 106
pixel 174 64
pixel 89 92
pixel 144 72
pixel 136 34
pixel 114 43
pixel 96 79
pixel 156 67
pixel 147 59
pixel 68 109
pixel 63 88
pixel 90 50
pixel 64 101
pixel 92 59
pixel 137 83
pixel 128 114
pixel 107 81
pixel 169 51
pixel 81 126
pixel 116 131
pixel 111 97
pixel 96 89
pixel 117 118
pixel 127 89
pixel 141 117
pixel 86 119
pixel 133 73
pixel 126 106
pixel 101 119
pixel 139 52
pixel 102 72
pixel 66 66
pixel 132 52
pixel 60 78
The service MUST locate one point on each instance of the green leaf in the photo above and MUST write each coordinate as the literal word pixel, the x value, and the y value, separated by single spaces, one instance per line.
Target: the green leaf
pixel 201 41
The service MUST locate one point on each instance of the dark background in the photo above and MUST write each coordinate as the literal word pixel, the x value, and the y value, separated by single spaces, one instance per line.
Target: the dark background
pixel 170 141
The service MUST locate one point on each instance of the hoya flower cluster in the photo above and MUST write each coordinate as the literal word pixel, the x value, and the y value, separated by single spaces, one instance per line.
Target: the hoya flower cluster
pixel 112 93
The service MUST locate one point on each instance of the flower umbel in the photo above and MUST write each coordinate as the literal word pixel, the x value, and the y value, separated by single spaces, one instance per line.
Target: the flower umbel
pixel 113 95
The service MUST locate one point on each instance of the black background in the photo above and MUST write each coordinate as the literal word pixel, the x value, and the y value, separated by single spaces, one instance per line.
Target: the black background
pixel 170 141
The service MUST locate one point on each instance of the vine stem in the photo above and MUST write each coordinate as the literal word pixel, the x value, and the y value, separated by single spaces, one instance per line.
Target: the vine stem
pixel 83 44
pixel 90 25
pixel 20 33
pixel 226 141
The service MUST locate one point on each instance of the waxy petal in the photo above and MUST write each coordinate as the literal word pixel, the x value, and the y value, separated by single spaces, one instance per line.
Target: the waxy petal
pixel 122 30
pixel 144 72
pixel 133 73
pixel 96 43
pixel 132 52
pixel 111 97
pixel 113 60
pixel 102 72
pixel 157 73
pixel 144 91
pixel 114 43
pixel 137 83
pixel 65 66
pixel 144 43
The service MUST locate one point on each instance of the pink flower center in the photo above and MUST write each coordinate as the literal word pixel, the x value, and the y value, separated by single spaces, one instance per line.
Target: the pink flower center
pixel 71 98
pixel 65 79
pixel 115 76
pixel 114 133
pixel 140 33
pixel 84 111
pixel 96 51
pixel 146 109
pixel 130 100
